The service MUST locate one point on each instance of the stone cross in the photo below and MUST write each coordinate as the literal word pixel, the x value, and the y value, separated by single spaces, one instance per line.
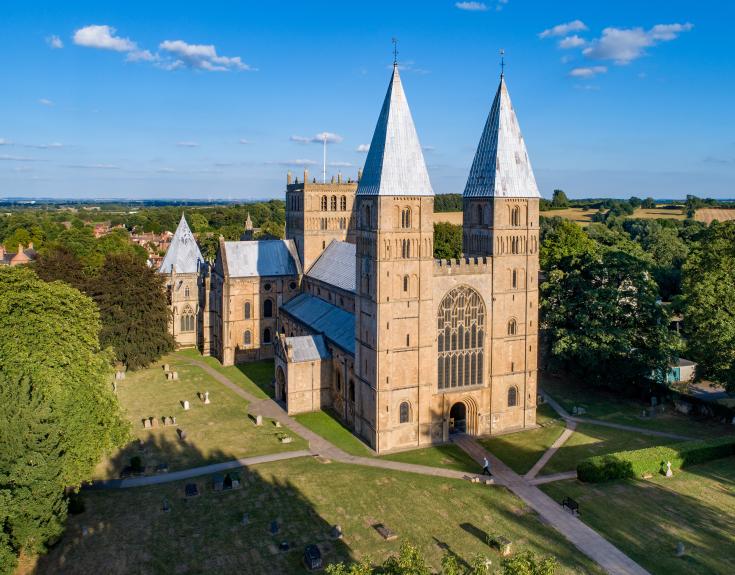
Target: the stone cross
pixel 669 473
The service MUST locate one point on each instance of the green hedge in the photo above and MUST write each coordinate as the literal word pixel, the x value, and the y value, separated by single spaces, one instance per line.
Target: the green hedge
pixel 639 462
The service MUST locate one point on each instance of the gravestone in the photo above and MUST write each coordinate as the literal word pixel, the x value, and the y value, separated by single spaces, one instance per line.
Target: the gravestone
pixel 218 482
pixel 147 423
pixel 258 420
pixel 173 420
pixel 336 532
pixel 182 434
pixel 680 550
pixel 154 422
pixel 162 468
pixel 284 546
pixel 286 439
pixel 277 424
pixel 168 420
pixel 166 506
pixel 385 532
pixel 175 376
pixel 191 490
pixel 166 367
pixel 206 398
pixel 274 528
pixel 245 519
pixel 669 473
pixel 185 404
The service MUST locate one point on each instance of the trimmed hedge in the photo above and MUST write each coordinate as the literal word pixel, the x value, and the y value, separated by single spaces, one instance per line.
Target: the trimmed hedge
pixel 639 462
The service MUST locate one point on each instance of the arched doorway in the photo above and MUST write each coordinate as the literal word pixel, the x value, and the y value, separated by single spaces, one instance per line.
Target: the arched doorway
pixel 458 418
pixel 280 384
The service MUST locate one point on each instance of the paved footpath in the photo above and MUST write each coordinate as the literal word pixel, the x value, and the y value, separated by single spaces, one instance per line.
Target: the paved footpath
pixel 586 539
pixel 548 454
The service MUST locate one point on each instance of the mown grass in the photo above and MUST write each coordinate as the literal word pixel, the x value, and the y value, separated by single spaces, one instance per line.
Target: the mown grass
pixel 328 425
pixel 127 532
pixel 447 456
pixel 521 450
pixel 647 518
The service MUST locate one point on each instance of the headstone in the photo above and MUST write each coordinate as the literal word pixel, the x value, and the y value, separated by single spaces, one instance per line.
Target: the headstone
pixel 258 420
pixel 191 490
pixel 284 546
pixel 680 550
pixel 173 420
pixel 669 473
pixel 245 519
pixel 154 422
pixel 218 482
pixel 286 439
pixel 182 434
pixel 206 398
pixel 385 532
pixel 147 423
pixel 274 528
pixel 162 468
pixel 336 532
pixel 581 411
pixel 277 424
pixel 166 367
pixel 166 506
pixel 175 375
pixel 185 403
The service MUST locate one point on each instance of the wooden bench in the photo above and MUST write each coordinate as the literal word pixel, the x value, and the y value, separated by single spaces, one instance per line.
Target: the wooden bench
pixel 570 505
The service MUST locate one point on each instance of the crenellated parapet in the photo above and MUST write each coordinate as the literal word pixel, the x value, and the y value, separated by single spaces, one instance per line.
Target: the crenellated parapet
pixel 463 266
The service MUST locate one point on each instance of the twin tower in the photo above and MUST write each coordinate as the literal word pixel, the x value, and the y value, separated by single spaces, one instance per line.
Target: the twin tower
pixel 440 346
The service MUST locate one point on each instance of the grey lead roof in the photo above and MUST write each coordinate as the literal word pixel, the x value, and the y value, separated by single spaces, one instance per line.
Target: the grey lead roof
pixel 395 164
pixel 501 167
pixel 261 258
pixel 307 348
pixel 334 323
pixel 183 252
pixel 336 266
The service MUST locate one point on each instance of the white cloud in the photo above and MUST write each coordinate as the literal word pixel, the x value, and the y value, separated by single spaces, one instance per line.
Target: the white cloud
pixel 4 142
pixel 188 144
pixel 297 162
pixel 93 166
pixel 623 45
pixel 199 57
pixel 472 6
pixel 245 141
pixel 318 138
pixel 54 42
pixel 409 66
pixel 103 37
pixel 50 146
pixel 573 41
pixel 45 102
pixel 564 29
pixel 587 72
pixel 341 164
pixel 8 158
pixel 141 56
pixel 363 148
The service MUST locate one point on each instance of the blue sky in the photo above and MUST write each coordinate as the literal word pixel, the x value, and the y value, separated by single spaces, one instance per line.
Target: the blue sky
pixel 220 99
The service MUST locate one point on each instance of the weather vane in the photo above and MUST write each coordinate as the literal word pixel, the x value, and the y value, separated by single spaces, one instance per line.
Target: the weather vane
pixel 395 51
pixel 502 62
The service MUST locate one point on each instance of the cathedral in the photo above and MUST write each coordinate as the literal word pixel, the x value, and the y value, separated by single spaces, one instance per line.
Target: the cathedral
pixel 358 315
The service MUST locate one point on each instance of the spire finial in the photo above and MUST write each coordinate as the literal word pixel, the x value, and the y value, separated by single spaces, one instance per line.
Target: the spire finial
pixel 502 63
pixel 395 51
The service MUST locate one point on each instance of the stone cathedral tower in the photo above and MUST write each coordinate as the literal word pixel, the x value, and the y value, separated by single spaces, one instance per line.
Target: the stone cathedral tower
pixel 394 331
pixel 501 220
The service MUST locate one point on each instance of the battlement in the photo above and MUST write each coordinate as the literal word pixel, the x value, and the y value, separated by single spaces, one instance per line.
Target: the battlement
pixel 463 266
pixel 337 184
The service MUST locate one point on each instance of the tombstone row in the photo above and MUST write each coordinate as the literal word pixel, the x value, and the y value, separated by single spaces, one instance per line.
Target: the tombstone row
pixel 152 422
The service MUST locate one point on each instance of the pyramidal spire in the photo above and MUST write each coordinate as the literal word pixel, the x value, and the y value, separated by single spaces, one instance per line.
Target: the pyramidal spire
pixel 395 164
pixel 183 253
pixel 501 167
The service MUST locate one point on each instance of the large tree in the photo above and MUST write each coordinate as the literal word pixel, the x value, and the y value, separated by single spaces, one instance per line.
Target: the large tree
pixel 563 238
pixel 57 408
pixel 708 288
pixel 134 311
pixel 604 319
pixel 447 241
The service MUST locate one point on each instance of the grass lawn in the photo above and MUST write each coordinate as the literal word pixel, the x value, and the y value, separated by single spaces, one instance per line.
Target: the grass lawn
pixel 254 377
pixel 646 519
pixel 522 449
pixel 327 425
pixel 220 431
pixel 588 440
pixel 448 456
pixel 609 406
pixel 129 533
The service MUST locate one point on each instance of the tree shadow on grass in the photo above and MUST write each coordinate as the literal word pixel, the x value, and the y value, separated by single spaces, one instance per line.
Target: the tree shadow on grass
pixel 239 530
pixel 261 373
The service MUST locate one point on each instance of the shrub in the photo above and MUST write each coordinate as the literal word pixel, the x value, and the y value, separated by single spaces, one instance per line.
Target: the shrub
pixel 638 462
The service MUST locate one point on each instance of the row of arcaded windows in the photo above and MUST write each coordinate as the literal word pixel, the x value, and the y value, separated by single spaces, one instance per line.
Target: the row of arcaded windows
pixel 247 337
pixel 267 309
pixel 332 203
pixel 482 216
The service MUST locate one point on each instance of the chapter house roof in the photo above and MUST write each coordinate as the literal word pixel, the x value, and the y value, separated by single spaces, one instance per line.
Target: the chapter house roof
pixel 501 167
pixel 334 323
pixel 395 164
pixel 336 266
pixel 183 253
pixel 261 258
pixel 307 348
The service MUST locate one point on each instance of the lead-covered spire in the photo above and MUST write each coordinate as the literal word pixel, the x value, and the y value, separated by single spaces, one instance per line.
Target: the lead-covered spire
pixel 395 164
pixel 501 167
pixel 183 253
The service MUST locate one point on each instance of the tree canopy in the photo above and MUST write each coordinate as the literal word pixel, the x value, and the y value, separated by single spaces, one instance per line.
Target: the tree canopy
pixel 57 408
pixel 447 241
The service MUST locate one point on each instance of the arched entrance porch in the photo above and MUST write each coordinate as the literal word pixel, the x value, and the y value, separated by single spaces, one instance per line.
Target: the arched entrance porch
pixel 461 417
pixel 281 391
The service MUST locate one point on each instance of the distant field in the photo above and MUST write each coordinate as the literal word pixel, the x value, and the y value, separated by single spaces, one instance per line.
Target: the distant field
pixel 584 217
pixel 706 215
pixel 448 217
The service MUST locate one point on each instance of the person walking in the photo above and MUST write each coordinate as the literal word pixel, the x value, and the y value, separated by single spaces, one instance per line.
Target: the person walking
pixel 486 467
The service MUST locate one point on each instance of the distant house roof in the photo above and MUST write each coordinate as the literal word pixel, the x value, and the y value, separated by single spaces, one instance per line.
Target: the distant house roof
pixel 334 323
pixel 307 348
pixel 336 266
pixel 261 258
pixel 183 253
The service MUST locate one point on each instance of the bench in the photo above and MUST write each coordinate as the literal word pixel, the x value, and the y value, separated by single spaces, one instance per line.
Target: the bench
pixel 570 505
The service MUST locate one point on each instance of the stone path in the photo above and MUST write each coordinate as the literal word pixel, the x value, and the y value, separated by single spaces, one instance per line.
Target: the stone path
pixel 586 539
pixel 552 477
pixel 549 453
